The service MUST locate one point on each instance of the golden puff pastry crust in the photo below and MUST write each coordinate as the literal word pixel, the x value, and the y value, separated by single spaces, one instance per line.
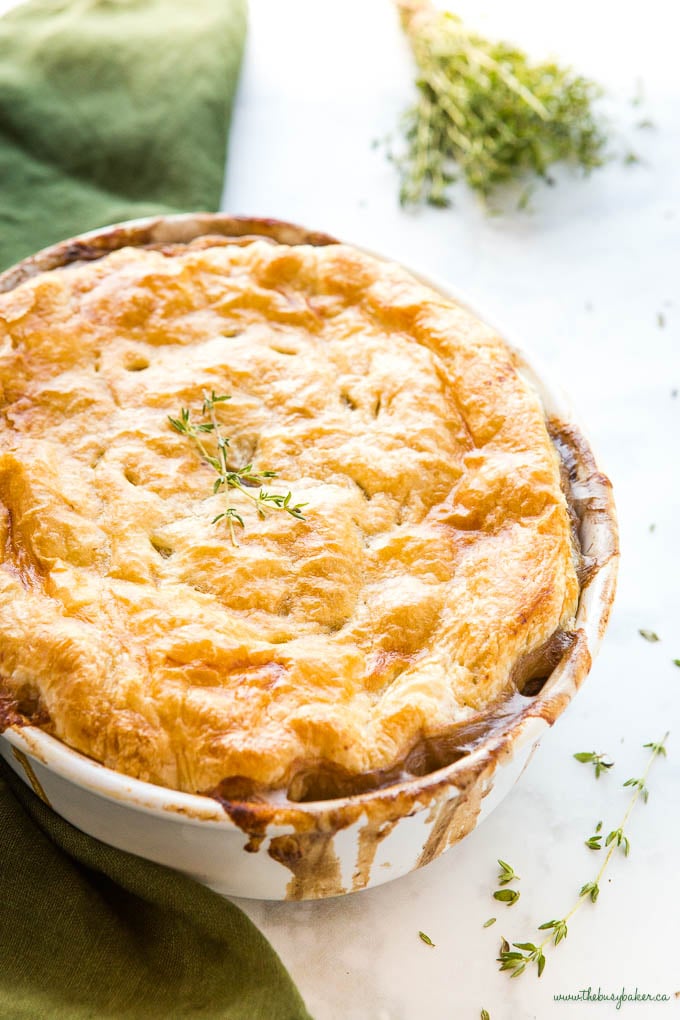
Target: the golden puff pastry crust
pixel 436 556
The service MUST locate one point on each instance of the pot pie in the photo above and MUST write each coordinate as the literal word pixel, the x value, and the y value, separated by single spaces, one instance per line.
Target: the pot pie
pixel 434 575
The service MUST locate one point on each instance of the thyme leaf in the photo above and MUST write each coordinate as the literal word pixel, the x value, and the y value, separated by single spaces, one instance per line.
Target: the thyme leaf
pixel 508 896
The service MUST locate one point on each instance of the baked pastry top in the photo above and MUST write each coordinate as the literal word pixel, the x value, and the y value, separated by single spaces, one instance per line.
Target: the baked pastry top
pixel 435 557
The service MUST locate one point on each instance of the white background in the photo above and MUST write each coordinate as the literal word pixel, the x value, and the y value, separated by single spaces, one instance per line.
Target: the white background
pixel 580 280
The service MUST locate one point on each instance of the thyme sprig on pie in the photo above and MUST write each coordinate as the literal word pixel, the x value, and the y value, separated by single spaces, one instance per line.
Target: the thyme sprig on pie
pixel 244 479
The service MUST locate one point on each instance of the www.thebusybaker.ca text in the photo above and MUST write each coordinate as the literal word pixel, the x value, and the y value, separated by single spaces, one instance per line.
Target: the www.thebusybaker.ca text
pixel 588 995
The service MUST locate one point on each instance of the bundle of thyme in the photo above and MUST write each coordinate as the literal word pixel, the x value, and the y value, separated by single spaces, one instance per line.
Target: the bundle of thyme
pixel 486 113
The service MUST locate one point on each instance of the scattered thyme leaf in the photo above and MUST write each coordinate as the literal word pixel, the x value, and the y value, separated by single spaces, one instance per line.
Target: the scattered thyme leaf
pixel 243 479
pixel 649 635
pixel 676 662
pixel 489 922
pixel 507 873
pixel 426 938
pixel 599 761
pixel 509 896
pixel 487 114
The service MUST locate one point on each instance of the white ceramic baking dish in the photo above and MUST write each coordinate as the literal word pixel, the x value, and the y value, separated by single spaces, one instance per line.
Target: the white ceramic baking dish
pixel 284 850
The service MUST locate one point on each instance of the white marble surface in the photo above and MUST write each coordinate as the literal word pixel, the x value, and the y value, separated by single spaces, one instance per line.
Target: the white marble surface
pixel 581 281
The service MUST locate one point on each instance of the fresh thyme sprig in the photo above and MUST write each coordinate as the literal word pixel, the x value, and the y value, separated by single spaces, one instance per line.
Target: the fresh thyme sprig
pixel 523 954
pixel 244 479
pixel 486 113
pixel 600 761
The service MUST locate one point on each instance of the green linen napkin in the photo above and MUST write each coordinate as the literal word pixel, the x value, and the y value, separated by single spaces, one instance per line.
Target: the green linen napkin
pixel 112 109
pixel 87 931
